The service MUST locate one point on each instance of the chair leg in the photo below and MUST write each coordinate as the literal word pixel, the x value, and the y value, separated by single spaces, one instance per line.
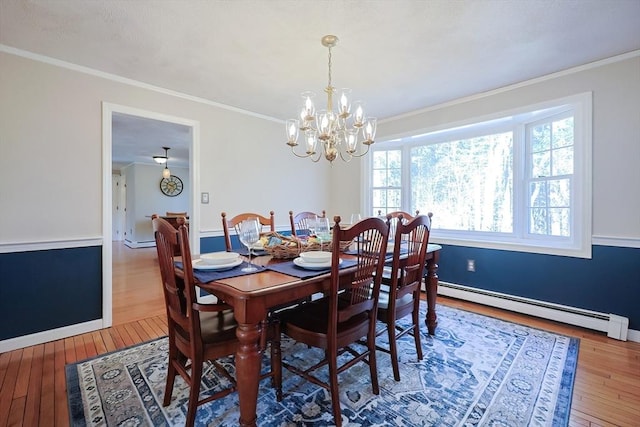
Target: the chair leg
pixel 194 392
pixel 393 348
pixel 416 325
pixel 333 385
pixel 171 375
pixel 373 367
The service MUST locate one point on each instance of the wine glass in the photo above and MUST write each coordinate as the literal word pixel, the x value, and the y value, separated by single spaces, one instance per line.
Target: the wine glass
pixel 355 217
pixel 322 230
pixel 311 226
pixel 249 235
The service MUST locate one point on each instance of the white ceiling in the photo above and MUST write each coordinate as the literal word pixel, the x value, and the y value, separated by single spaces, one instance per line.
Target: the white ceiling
pixel 255 55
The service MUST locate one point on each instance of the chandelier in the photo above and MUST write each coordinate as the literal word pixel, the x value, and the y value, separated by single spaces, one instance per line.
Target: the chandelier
pixel 338 132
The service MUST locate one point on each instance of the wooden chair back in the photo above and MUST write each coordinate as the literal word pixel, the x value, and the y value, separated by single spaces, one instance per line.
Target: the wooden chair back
pixel 184 214
pixel 360 294
pixel 414 235
pixel 347 313
pixel 405 217
pixel 404 283
pixel 186 320
pixel 300 221
pixel 235 222
pixel 179 290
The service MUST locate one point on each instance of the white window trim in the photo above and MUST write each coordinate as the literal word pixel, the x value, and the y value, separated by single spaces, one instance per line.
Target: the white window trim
pixel 580 243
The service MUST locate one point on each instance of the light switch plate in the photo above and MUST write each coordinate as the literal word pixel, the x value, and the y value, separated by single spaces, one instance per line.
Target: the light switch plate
pixel 204 198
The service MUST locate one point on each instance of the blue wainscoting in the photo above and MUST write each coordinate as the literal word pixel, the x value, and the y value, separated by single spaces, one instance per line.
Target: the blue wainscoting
pixel 609 282
pixel 49 289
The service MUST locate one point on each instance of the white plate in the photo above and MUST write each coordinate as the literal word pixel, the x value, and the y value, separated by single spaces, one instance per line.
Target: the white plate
pixel 322 257
pixel 219 258
pixel 312 265
pixel 202 266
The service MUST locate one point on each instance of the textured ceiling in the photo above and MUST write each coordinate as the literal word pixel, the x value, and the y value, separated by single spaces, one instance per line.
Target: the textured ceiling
pixel 397 56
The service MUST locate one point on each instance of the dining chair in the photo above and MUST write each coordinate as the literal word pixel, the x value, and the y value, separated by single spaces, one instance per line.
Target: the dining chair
pixel 300 221
pixel 347 313
pixel 199 332
pixel 235 222
pixel 401 285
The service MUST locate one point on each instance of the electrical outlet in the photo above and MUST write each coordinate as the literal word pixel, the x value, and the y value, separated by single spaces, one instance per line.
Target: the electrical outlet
pixel 204 198
pixel 471 265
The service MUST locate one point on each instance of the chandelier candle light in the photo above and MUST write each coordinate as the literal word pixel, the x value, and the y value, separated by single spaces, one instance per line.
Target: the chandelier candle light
pixel 337 131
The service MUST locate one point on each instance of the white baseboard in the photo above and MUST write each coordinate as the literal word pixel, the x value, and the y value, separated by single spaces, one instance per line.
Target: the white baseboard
pixel 134 245
pixel 51 335
pixel 615 326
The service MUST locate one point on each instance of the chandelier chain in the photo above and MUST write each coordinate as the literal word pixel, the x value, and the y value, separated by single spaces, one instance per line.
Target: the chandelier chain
pixel 329 67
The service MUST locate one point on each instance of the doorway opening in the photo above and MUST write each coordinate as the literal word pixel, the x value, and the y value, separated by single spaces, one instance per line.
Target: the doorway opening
pixel 108 112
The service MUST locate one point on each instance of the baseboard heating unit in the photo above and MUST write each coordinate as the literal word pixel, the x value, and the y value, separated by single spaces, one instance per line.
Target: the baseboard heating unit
pixel 615 326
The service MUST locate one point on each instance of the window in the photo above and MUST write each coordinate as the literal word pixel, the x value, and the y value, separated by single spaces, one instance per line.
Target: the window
pixel 517 182
pixel 386 177
pixel 550 172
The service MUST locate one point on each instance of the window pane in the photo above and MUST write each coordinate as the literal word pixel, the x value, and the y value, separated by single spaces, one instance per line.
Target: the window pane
pixel 379 198
pixel 538 194
pixel 563 132
pixel 562 161
pixel 468 182
pixel 379 159
pixel 541 164
pixel 394 159
pixel 559 221
pixel 380 178
pixel 540 137
pixel 393 200
pixel 538 221
pixel 394 178
pixel 560 193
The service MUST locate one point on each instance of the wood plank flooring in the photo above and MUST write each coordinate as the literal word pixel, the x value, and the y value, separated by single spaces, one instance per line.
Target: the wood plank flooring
pixel 33 385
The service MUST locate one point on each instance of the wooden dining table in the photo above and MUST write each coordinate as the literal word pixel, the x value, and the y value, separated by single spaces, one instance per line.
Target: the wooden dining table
pixel 254 295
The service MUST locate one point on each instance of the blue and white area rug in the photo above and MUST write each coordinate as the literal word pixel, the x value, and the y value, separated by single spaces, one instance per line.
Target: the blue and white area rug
pixel 476 371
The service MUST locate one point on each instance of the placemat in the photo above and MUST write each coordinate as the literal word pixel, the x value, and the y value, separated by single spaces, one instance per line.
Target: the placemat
pixel 290 269
pixel 206 276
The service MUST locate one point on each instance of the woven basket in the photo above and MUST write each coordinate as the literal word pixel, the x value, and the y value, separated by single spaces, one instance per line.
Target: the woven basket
pixel 291 246
pixel 326 246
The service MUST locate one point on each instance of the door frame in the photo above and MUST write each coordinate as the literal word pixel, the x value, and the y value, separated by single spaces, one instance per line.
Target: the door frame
pixel 107 192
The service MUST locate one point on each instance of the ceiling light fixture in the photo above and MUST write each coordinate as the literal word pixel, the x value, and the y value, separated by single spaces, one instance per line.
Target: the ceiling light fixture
pixel 166 173
pixel 337 131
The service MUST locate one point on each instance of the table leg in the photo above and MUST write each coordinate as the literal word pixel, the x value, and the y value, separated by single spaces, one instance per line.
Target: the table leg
pixel 248 359
pixel 431 285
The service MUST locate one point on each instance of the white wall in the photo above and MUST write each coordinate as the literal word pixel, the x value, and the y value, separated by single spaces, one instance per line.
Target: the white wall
pixel 616 133
pixel 51 154
pixel 144 198
pixel 50 149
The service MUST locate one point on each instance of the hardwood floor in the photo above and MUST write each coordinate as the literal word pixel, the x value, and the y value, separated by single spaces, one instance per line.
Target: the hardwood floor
pixel 33 385
pixel 137 293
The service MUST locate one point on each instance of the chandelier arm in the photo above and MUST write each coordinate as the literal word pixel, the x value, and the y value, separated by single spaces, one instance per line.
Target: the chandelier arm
pixel 346 160
pixel 361 154
pixel 302 156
